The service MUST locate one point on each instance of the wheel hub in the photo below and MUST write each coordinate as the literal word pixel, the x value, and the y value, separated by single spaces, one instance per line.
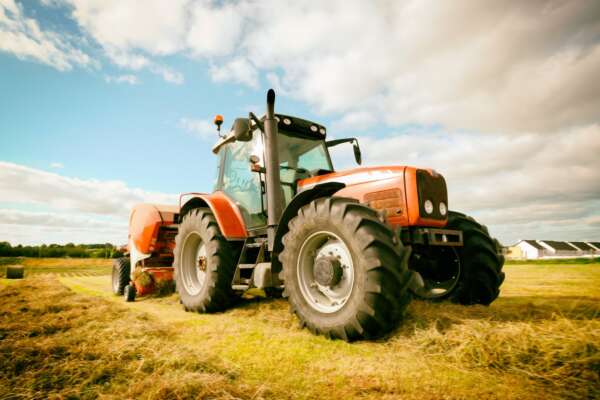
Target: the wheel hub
pixel 194 262
pixel 202 263
pixel 328 271
pixel 325 272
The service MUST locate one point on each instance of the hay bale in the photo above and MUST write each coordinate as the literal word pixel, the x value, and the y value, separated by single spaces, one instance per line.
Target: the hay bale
pixel 15 272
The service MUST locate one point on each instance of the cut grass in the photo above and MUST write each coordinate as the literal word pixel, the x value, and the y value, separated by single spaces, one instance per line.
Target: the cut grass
pixel 541 339
pixel 58 344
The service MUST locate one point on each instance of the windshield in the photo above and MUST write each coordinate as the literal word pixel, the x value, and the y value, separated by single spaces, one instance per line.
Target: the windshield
pixel 299 158
pixel 301 153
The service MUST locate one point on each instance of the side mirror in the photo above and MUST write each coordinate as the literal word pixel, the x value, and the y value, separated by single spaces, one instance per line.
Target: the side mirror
pixel 241 129
pixel 355 146
pixel 357 154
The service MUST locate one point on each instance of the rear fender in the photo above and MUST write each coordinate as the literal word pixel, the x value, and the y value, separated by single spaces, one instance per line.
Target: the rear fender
pixel 226 212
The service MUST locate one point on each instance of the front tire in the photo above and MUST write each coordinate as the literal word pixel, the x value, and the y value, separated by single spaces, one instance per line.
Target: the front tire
pixel 120 274
pixel 204 263
pixel 345 274
pixel 481 262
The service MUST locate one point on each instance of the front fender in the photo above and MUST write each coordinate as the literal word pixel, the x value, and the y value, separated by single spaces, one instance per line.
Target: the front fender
pixel 226 212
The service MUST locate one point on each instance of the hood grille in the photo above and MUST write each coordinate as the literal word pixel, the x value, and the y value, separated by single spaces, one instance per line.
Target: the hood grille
pixel 431 187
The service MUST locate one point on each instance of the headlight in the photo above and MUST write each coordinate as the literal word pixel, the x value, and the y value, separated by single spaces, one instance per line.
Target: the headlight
pixel 443 208
pixel 428 206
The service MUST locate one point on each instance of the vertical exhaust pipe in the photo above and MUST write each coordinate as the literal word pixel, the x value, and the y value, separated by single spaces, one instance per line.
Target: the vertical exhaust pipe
pixel 274 192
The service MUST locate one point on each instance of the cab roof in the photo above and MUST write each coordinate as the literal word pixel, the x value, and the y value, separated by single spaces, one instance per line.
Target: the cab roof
pixel 293 126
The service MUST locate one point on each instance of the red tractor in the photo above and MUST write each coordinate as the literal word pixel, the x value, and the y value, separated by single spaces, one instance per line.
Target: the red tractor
pixel 347 248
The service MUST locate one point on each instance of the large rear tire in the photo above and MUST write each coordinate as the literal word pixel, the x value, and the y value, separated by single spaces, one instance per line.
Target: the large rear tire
pixel 481 262
pixel 345 274
pixel 204 263
pixel 120 274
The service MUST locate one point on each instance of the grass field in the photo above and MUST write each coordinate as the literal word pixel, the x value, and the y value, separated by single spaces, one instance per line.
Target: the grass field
pixel 66 336
pixel 59 266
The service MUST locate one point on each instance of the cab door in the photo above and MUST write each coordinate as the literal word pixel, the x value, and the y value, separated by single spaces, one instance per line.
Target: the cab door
pixel 241 184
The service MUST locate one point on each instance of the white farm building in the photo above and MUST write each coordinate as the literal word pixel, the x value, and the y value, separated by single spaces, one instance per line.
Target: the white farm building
pixel 535 249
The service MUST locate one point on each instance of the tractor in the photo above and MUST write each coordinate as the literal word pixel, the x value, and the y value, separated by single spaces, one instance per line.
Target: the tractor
pixel 348 249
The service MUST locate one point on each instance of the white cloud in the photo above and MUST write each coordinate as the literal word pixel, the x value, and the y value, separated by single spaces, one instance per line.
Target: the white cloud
pixel 127 59
pixel 44 234
pixel 136 62
pixel 168 74
pixel 129 79
pixel 238 70
pixel 503 68
pixel 507 68
pixel 26 185
pixel 56 165
pixel 132 32
pixel 23 37
pixel 354 121
pixel 58 220
pixel 214 31
pixel 202 128
pixel 72 209
pixel 154 26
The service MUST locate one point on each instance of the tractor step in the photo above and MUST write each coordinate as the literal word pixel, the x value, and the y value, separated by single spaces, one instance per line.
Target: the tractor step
pixel 255 245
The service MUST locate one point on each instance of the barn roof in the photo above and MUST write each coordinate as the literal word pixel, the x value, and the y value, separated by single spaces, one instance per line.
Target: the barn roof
pixel 582 246
pixel 559 245
pixel 534 244
pixel 595 244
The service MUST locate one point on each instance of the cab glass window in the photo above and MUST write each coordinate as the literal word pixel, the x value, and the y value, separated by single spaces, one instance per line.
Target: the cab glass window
pixel 241 184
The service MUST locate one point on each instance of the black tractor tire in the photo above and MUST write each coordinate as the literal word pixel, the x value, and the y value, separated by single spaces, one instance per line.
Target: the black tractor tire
pixel 129 293
pixel 481 262
pixel 121 271
pixel 199 228
pixel 379 294
pixel 15 272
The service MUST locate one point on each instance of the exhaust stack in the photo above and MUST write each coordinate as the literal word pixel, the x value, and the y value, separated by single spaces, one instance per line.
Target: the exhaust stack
pixel 274 193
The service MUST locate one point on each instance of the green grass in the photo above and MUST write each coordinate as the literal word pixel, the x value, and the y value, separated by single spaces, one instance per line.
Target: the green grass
pixel 540 339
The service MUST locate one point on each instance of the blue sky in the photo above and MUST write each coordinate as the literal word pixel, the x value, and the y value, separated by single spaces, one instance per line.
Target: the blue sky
pixel 119 131
pixel 108 103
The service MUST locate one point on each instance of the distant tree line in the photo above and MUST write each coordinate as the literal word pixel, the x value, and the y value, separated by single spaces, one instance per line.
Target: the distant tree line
pixel 106 250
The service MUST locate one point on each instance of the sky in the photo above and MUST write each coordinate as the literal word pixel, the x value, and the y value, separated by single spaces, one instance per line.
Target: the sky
pixel 108 103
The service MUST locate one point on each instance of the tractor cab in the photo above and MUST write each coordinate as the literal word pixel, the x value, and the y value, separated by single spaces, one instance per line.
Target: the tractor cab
pixel 303 153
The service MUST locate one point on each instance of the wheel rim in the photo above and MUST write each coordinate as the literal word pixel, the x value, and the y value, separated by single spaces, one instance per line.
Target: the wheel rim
pixel 441 281
pixel 321 297
pixel 194 263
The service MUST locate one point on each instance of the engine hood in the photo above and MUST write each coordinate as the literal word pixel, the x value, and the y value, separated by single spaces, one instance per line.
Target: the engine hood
pixel 399 191
pixel 355 176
